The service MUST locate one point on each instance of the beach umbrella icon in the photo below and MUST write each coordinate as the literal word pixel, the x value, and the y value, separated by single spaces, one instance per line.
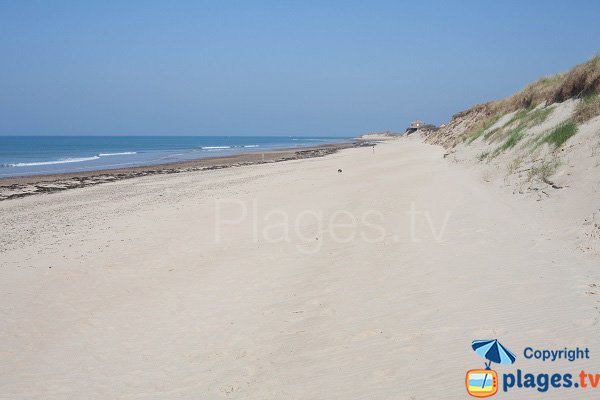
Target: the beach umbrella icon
pixel 493 351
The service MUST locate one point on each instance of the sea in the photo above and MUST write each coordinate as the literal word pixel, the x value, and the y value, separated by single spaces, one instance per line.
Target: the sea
pixel 38 155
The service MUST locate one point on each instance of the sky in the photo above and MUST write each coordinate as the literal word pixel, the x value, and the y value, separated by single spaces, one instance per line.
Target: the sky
pixel 315 68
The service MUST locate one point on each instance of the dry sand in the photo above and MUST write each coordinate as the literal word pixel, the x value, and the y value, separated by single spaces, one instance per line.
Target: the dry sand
pixel 122 290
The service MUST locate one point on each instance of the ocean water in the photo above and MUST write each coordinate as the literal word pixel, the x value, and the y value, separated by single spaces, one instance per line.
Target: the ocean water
pixel 33 155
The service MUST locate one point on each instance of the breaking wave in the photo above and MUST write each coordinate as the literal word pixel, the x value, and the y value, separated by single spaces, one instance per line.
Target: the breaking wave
pixel 63 161
pixel 124 153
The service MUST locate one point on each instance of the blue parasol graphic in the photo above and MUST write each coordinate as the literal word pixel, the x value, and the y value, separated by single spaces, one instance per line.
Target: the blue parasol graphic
pixel 493 351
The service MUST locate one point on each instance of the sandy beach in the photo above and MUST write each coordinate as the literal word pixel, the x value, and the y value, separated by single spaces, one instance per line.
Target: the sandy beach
pixel 289 280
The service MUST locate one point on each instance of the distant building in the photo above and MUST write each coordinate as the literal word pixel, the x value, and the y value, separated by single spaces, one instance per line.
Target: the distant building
pixel 416 124
pixel 419 125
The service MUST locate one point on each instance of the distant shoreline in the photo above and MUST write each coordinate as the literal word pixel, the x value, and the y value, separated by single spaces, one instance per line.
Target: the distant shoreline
pixel 22 186
pixel 50 155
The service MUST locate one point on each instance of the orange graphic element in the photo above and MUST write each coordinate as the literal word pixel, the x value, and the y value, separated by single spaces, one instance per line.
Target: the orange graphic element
pixel 481 382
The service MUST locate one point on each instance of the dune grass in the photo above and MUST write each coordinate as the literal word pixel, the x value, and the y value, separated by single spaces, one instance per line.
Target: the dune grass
pixel 538 116
pixel 588 108
pixel 530 117
pixel 520 115
pixel 511 141
pixel 481 128
pixel 515 164
pixel 581 82
pixel 544 170
pixel 526 118
pixel 483 156
pixel 559 135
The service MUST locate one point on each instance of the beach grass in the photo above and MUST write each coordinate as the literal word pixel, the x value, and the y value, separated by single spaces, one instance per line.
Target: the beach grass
pixel 523 119
pixel 559 135
pixel 538 116
pixel 587 108
pixel 483 156
pixel 581 82
pixel 513 139
pixel 544 170
pixel 482 128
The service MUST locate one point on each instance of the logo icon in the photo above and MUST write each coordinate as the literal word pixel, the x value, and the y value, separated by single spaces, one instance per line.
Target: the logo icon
pixel 484 382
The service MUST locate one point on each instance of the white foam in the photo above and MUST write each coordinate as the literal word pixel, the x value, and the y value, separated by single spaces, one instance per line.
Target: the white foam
pixel 116 154
pixel 215 147
pixel 64 161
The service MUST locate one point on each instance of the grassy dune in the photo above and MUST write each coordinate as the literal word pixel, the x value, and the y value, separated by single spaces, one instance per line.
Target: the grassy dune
pixel 529 136
pixel 530 106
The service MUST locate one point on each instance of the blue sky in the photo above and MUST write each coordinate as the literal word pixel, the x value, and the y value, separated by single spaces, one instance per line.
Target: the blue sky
pixel 273 68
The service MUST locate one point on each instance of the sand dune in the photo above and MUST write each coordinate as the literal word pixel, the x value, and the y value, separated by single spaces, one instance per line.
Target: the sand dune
pixel 373 289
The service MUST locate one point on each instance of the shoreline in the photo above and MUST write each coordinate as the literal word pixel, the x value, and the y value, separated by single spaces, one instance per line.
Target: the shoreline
pixel 23 186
